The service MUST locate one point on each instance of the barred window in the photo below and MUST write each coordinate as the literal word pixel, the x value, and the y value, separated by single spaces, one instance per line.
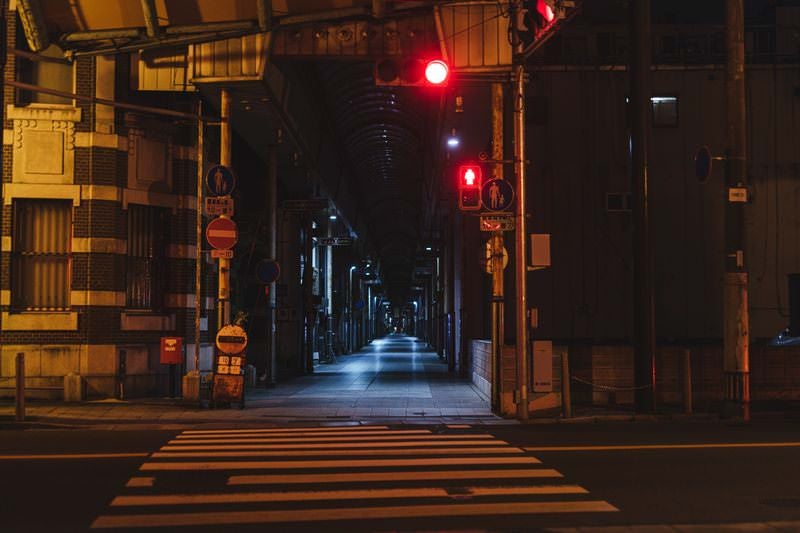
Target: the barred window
pixel 146 260
pixel 40 265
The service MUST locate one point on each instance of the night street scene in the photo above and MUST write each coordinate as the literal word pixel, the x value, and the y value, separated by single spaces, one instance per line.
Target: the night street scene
pixel 400 266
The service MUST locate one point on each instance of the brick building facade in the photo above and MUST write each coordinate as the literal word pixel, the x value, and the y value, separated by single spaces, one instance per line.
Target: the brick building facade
pixel 98 229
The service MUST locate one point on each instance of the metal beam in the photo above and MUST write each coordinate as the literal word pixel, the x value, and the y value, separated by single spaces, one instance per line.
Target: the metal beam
pixel 30 14
pixel 380 9
pixel 264 8
pixel 183 30
pixel 102 35
pixel 92 100
pixel 151 18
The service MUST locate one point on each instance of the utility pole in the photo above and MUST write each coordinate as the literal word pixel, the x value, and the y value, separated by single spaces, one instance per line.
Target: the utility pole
pixel 643 309
pixel 521 237
pixel 497 253
pixel 223 286
pixel 736 321
pixel 198 267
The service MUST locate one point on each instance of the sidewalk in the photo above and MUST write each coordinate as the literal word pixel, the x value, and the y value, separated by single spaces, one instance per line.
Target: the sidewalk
pixel 393 380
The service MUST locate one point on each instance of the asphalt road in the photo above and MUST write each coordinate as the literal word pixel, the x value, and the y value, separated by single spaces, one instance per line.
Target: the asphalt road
pixel 504 478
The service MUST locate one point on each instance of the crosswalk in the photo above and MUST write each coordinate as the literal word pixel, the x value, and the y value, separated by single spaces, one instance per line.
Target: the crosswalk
pixel 322 475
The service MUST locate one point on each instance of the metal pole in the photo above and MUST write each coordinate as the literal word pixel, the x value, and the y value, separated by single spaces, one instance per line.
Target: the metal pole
pixel 308 297
pixel 20 397
pixel 351 322
pixel 103 101
pixel 521 258
pixel 498 303
pixel 272 301
pixel 736 322
pixel 223 292
pixel 644 310
pixel 328 291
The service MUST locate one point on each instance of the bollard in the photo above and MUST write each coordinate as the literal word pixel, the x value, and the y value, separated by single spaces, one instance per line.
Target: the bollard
pixel 687 381
pixel 566 391
pixel 20 403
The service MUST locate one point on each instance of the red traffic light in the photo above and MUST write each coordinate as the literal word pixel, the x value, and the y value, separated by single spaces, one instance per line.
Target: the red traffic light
pixel 411 71
pixel 545 11
pixel 436 72
pixel 469 187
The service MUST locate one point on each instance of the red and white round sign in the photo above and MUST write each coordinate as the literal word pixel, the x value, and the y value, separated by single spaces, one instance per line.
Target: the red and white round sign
pixel 221 233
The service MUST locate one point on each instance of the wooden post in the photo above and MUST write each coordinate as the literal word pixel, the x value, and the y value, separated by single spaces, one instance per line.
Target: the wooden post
pixel 687 381
pixel 566 386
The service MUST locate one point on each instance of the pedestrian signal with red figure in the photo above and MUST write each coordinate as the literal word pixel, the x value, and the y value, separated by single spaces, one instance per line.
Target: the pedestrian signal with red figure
pixel 470 178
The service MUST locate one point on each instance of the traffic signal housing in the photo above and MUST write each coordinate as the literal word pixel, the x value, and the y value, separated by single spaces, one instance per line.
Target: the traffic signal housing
pixel 470 179
pixel 411 71
pixel 536 17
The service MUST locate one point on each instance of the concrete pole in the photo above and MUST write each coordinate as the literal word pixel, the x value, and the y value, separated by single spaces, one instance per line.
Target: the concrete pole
pixel 521 259
pixel 223 293
pixel 498 304
pixel 736 320
pixel 644 308
pixel 198 268
pixel 272 218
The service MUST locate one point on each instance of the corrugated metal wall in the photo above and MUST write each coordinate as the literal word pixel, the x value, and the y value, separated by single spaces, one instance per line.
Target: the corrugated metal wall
pixel 579 152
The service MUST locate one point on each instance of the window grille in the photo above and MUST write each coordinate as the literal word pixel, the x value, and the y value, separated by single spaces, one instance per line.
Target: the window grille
pixel 146 259
pixel 40 269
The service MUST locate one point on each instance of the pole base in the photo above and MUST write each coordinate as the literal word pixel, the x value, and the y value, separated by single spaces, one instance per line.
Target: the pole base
pixel 191 386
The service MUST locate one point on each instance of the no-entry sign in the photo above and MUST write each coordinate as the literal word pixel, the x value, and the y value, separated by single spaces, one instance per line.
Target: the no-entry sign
pixel 231 339
pixel 221 233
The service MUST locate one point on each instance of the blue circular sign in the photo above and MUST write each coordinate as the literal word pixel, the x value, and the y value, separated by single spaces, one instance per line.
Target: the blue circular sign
pixel 220 180
pixel 497 195
pixel 268 270
pixel 703 163
pixel 359 305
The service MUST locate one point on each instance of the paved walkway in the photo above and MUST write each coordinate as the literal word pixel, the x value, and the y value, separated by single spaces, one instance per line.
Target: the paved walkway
pixel 393 380
pixel 395 376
